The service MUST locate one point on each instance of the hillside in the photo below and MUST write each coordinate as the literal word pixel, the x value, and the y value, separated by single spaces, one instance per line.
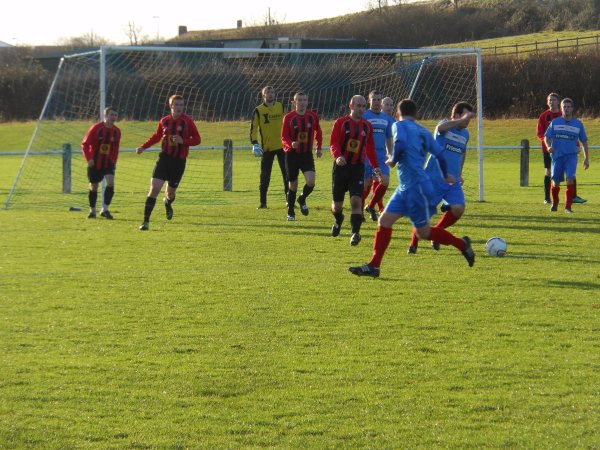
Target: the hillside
pixel 430 23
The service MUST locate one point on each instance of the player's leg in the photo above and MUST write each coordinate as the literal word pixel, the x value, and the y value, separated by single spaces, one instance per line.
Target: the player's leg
pixel 109 192
pixel 367 183
pixel 292 171
pixel 558 173
pixel 156 185
pixel 281 160
pixel 307 165
pixel 382 185
pixel 339 186
pixel 446 238
pixel 266 166
pixel 92 199
pixel 577 198
pixel 570 169
pixel 547 177
pixel 383 236
pixel 355 188
pixel 455 198
pixel 309 186
pixel 175 174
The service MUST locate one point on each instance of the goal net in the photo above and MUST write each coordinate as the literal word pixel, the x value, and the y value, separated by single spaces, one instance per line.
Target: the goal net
pixel 221 88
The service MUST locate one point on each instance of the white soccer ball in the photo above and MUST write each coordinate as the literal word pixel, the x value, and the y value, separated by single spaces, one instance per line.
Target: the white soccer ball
pixel 495 246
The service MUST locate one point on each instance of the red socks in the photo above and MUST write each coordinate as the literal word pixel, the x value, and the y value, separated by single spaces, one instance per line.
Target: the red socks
pixel 446 220
pixel 383 236
pixel 555 190
pixel 414 239
pixel 378 193
pixel 446 238
pixel 569 194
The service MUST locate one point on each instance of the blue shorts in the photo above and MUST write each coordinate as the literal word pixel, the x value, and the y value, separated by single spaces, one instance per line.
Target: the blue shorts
pixel 451 194
pixel 564 164
pixel 414 203
pixel 381 159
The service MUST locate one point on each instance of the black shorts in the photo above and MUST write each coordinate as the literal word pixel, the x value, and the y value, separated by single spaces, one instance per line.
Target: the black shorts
pixel 547 160
pixel 348 178
pixel 296 162
pixel 97 175
pixel 169 169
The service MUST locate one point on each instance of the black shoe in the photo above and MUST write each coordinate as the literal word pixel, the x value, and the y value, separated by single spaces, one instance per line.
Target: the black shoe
pixel 355 239
pixel 91 215
pixel 412 249
pixel 145 226
pixel 468 252
pixel 578 199
pixel 445 207
pixel 372 213
pixel 337 227
pixel 554 207
pixel 291 217
pixel 262 206
pixel 168 209
pixel 435 245
pixel 106 214
pixel 365 271
pixel 303 207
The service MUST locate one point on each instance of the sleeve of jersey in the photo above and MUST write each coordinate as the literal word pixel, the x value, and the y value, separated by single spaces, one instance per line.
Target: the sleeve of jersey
pixel 541 127
pixel 156 137
pixel 87 147
pixel 318 132
pixel 116 147
pixel 371 149
pixel 194 136
pixel 549 131
pixel 286 138
pixel 435 149
pixel 254 124
pixel 582 135
pixel 399 143
pixel 334 142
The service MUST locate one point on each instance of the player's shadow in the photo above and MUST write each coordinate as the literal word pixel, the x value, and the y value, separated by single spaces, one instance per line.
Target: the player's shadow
pixel 551 257
pixel 574 284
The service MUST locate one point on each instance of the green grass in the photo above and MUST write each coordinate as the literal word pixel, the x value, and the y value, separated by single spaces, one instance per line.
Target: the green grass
pixel 230 327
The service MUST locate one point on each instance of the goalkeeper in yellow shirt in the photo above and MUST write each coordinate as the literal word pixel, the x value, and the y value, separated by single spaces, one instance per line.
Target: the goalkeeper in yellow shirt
pixel 267 119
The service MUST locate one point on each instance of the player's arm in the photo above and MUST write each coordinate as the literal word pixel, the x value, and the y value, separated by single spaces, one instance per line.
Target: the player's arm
pixel 463 122
pixel 435 149
pixel 541 126
pixel 286 138
pixel 117 145
pixel 586 151
pixel 548 135
pixel 193 137
pixel 87 146
pixel 400 141
pixel 156 137
pixel 370 150
pixel 254 126
pixel 334 143
pixel 318 136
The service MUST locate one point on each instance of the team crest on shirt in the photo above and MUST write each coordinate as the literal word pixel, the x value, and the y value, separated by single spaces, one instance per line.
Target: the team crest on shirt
pixel 303 137
pixel 353 146
pixel 363 134
pixel 104 149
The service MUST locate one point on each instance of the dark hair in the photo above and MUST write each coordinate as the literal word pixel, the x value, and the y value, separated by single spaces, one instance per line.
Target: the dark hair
pixel 407 107
pixel 298 94
pixel 372 93
pixel 460 107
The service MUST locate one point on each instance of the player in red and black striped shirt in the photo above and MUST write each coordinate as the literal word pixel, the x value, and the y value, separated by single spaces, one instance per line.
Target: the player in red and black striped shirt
pixel 299 130
pixel 351 141
pixel 176 132
pixel 100 148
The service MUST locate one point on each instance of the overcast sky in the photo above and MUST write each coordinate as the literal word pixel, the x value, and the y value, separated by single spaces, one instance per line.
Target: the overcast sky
pixel 24 22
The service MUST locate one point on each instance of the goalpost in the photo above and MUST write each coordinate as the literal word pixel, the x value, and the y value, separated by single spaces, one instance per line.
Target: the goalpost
pixel 221 88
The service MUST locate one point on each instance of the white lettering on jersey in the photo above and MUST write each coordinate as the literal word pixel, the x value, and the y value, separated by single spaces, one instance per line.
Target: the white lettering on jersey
pixel 567 129
pixel 455 137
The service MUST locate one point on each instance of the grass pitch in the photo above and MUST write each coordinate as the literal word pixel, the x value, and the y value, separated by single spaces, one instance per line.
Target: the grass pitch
pixel 229 327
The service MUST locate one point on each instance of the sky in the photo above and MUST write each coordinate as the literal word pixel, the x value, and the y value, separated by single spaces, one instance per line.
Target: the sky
pixel 44 23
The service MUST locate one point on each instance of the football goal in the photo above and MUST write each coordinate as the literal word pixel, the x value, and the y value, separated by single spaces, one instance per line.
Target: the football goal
pixel 221 88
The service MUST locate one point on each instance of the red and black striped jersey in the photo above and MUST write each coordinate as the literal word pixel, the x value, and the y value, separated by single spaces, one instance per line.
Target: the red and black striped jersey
pixel 101 144
pixel 353 140
pixel 543 122
pixel 303 129
pixel 167 128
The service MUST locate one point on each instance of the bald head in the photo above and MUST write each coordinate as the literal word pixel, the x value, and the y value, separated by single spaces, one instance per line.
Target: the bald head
pixel 358 105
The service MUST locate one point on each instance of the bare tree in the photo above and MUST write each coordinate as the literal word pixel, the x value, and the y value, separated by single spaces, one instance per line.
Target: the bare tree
pixel 90 39
pixel 134 33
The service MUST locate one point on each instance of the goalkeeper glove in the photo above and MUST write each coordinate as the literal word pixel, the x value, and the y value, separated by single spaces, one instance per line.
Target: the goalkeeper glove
pixel 257 151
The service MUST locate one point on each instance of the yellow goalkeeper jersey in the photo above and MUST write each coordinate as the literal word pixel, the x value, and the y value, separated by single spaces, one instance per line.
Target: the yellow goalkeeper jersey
pixel 266 121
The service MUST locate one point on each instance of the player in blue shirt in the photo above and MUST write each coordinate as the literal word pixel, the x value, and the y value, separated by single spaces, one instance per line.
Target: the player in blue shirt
pixel 452 135
pixel 382 134
pixel 414 196
pixel 562 138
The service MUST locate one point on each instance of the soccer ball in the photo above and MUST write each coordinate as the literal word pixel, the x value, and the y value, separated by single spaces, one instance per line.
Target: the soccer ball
pixel 495 246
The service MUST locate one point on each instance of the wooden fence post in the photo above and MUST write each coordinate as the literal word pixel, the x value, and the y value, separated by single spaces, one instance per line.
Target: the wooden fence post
pixel 524 178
